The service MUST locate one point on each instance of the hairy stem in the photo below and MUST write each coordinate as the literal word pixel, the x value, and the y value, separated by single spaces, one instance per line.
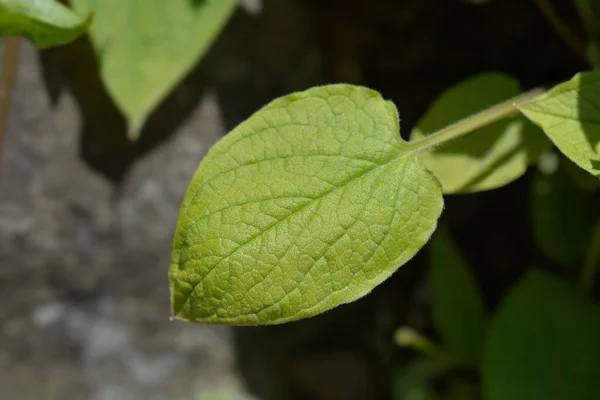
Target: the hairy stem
pixel 10 61
pixel 563 29
pixel 475 121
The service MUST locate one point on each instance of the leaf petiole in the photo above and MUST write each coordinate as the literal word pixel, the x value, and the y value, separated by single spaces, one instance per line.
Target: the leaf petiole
pixel 476 121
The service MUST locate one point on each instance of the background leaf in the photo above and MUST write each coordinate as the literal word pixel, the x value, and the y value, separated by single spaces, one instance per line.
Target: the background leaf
pixel 459 312
pixel 560 213
pixel 570 116
pixel 543 344
pixel 308 204
pixel 489 157
pixel 44 22
pixel 147 46
pixel 415 380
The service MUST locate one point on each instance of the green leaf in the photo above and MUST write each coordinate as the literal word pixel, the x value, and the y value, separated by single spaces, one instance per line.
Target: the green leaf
pixel 560 217
pixel 147 46
pixel 543 344
pixel 489 157
pixel 430 378
pixel 570 115
pixel 310 203
pixel 415 381
pixel 44 22
pixel 459 312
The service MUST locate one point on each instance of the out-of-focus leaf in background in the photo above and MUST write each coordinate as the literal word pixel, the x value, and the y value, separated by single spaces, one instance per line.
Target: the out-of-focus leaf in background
pixel 543 344
pixel 44 22
pixel 459 312
pixel 145 47
pixel 560 216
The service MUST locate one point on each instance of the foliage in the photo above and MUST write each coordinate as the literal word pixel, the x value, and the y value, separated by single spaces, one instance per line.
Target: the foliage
pixel 570 116
pixel 144 47
pixel 458 308
pixel 315 200
pixel 140 66
pixel 310 203
pixel 493 156
pixel 543 343
pixel 46 22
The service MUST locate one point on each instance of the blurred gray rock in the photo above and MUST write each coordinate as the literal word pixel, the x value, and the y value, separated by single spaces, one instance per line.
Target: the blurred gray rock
pixel 84 299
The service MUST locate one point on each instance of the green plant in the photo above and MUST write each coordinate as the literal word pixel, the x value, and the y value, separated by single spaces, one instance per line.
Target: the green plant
pixel 316 199
pixel 542 342
pixel 144 49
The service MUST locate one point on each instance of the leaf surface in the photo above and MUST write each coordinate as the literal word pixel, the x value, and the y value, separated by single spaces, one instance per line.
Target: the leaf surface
pixel 147 46
pixel 44 22
pixel 310 203
pixel 570 115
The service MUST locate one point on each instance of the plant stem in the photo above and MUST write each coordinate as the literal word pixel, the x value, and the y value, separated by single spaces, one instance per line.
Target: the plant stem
pixel 563 29
pixel 475 121
pixel 10 61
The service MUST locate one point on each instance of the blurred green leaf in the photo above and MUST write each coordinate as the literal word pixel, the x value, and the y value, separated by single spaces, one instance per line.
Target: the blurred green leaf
pixel 561 219
pixel 421 378
pixel 543 344
pixel 415 381
pixel 147 46
pixel 44 22
pixel 570 115
pixel 489 157
pixel 459 312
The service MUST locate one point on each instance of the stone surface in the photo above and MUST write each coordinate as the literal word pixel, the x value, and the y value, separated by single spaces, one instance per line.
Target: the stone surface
pixel 84 302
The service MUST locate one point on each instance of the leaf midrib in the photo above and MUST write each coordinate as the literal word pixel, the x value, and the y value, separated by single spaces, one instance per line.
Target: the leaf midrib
pixel 397 158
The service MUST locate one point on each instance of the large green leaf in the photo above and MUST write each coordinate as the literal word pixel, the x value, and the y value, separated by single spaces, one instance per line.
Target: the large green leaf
pixel 560 217
pixel 147 46
pixel 490 157
pixel 570 116
pixel 459 312
pixel 310 203
pixel 44 22
pixel 543 344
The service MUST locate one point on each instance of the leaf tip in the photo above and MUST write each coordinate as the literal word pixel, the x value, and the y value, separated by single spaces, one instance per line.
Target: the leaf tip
pixel 134 128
